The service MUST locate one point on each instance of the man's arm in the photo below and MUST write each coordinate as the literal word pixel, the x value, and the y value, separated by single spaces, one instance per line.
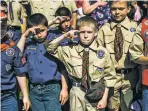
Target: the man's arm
pixel 74 19
pixel 23 85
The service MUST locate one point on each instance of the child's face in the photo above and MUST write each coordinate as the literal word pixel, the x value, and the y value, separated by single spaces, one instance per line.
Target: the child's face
pixel 119 10
pixel 41 32
pixel 65 25
pixel 87 34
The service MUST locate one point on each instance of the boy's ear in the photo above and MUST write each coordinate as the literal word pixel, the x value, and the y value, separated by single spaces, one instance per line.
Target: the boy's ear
pixel 96 34
pixel 129 9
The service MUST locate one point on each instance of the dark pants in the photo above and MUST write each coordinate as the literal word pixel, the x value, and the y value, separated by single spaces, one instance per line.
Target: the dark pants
pixel 145 98
pixel 9 102
pixel 45 97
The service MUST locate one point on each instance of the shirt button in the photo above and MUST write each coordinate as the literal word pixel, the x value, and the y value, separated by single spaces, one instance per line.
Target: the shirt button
pixel 41 62
pixel 40 50
pixel 41 72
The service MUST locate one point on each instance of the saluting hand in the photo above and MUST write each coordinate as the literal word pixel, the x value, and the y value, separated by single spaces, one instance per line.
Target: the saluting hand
pixel 63 96
pixel 30 30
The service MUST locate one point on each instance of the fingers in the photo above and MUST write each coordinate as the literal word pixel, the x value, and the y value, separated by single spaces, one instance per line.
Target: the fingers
pixel 59 19
pixel 27 106
pixel 63 100
pixel 60 98
pixel 74 34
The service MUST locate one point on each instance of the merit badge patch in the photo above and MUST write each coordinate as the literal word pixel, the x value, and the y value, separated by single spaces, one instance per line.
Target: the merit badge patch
pixel 100 69
pixel 8 67
pixel 100 54
pixel 132 29
pixel 146 34
pixel 10 51
pixel 146 22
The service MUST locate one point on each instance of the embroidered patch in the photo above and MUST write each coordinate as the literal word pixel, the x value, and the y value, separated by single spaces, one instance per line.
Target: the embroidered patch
pixel 101 54
pixel 132 29
pixel 10 51
pixel 146 34
pixel 100 69
pixel 10 34
pixel 8 67
pixel 146 22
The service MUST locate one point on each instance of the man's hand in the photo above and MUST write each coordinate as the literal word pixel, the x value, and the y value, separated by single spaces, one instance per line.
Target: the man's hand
pixel 27 103
pixel 63 96
pixel 102 104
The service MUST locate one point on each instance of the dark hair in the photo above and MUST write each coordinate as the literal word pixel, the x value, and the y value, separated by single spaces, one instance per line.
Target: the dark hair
pixel 37 19
pixel 87 21
pixel 63 11
pixel 3 3
pixel 128 2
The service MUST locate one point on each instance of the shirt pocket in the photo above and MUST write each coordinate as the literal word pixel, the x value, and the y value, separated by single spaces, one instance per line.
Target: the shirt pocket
pixel 75 67
pixel 127 43
pixel 98 70
pixel 109 42
pixel 31 58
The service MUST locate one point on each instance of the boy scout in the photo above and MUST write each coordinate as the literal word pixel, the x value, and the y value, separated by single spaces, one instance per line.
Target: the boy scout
pixel 139 54
pixel 17 16
pixel 49 7
pixel 99 64
pixel 44 70
pixel 12 68
pixel 116 36
pixel 63 19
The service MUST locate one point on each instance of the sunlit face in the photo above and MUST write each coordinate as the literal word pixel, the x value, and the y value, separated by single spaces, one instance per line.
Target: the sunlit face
pixel 65 25
pixel 87 34
pixel 3 13
pixel 119 10
pixel 42 33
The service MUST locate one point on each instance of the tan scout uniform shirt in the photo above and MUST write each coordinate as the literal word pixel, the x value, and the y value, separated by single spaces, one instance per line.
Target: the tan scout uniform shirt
pixel 106 38
pixel 99 67
pixel 49 7
pixel 137 46
pixel 19 12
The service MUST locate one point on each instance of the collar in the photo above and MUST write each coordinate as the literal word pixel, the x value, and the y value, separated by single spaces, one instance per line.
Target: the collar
pixel 125 24
pixel 93 46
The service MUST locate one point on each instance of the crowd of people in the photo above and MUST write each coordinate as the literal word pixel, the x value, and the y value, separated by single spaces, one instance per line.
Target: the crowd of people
pixel 74 55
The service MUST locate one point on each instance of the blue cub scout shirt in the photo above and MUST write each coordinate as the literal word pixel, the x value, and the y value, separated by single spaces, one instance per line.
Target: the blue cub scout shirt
pixel 42 66
pixel 11 66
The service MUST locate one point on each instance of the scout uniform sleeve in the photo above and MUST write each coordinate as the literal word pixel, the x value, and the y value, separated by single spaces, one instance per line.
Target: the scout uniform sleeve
pixel 100 37
pixel 19 63
pixel 109 72
pixel 137 45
